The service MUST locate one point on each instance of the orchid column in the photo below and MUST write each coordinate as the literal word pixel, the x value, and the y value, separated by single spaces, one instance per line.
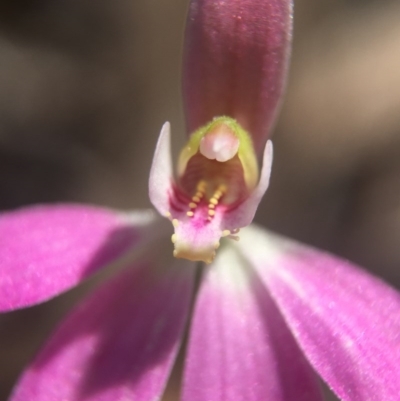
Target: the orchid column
pixel 235 65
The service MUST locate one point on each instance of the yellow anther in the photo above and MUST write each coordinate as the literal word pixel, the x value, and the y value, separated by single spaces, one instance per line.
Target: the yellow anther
pixel 217 194
pixel 173 238
pixel 225 233
pixel 175 222
pixel 192 205
pixel 190 214
pixel 211 212
pixel 199 194
pixel 211 206
pixel 196 199
pixel 168 214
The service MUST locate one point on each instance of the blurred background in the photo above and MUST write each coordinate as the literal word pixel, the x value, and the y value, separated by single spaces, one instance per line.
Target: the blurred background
pixel 85 88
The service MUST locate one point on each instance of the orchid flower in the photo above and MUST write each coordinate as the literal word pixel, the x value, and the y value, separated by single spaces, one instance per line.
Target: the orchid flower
pixel 269 314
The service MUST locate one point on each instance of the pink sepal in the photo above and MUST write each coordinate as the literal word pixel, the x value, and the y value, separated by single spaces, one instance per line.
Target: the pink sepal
pixel 235 62
pixel 120 344
pixel 46 250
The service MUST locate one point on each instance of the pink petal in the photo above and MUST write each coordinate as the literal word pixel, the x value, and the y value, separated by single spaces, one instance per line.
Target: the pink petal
pixel 120 344
pixel 243 215
pixel 235 62
pixel 346 321
pixel 45 250
pixel 161 175
pixel 239 346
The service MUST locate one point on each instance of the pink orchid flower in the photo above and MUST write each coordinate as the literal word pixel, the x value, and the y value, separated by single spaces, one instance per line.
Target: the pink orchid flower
pixel 269 314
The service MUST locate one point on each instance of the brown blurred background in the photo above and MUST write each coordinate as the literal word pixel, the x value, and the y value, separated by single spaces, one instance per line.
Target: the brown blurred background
pixel 85 87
